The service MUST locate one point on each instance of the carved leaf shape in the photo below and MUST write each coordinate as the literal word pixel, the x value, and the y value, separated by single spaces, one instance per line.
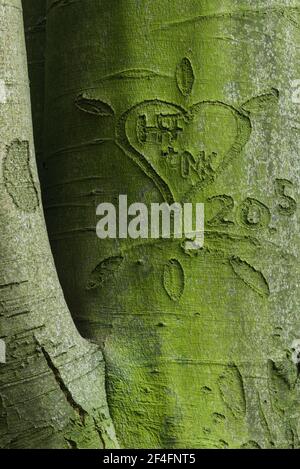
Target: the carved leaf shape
pixel 93 106
pixel 133 74
pixel 232 390
pixel 185 76
pixel 250 276
pixel 261 103
pixel 173 279
pixel 104 271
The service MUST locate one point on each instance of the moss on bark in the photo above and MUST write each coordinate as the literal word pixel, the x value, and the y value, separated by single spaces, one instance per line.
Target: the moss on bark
pixel 214 367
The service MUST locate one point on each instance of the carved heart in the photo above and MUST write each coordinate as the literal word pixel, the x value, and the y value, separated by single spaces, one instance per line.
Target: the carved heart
pixel 182 150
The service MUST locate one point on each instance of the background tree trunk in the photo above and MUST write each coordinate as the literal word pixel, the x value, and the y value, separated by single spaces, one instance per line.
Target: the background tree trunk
pixel 34 13
pixel 52 390
pixel 201 351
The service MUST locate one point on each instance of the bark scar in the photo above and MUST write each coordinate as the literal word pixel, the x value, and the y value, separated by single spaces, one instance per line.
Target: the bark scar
pixel 58 378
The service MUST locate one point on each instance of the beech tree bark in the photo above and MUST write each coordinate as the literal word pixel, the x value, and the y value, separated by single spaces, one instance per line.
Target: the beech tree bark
pixel 188 101
pixel 52 392
pixel 34 13
pixel 193 101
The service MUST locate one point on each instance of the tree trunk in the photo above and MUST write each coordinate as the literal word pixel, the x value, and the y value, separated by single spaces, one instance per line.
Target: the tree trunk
pixel 34 13
pixel 201 350
pixel 52 390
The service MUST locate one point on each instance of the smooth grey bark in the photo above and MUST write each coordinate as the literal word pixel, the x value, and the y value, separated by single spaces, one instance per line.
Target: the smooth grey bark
pixel 52 391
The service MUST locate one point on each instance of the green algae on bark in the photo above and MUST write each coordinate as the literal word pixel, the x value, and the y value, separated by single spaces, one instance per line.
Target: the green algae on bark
pixel 34 13
pixel 198 347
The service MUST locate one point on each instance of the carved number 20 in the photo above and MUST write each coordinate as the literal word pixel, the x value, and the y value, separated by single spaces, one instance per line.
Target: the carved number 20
pixel 251 208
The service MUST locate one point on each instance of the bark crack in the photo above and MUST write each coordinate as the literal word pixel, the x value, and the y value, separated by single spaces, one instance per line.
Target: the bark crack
pixel 77 407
